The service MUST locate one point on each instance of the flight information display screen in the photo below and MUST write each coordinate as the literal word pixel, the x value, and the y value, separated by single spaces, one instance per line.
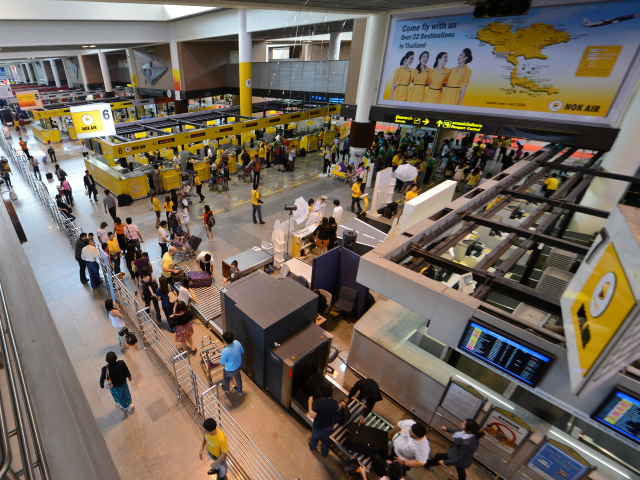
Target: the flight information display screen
pixel 620 412
pixel 510 356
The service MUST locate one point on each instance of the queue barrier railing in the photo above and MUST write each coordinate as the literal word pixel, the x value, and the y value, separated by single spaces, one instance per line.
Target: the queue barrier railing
pixel 245 460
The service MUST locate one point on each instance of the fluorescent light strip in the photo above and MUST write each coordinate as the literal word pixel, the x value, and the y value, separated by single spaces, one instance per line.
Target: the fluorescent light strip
pixel 486 393
pixel 587 453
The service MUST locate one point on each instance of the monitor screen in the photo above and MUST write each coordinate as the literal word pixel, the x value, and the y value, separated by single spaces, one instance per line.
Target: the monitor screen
pixel 620 411
pixel 505 353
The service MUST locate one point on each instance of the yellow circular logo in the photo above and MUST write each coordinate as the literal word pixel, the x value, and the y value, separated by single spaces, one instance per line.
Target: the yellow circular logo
pixel 87 119
pixel 134 187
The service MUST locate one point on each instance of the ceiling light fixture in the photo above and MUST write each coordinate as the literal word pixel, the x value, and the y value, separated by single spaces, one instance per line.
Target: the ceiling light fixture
pixel 93 46
pixel 85 46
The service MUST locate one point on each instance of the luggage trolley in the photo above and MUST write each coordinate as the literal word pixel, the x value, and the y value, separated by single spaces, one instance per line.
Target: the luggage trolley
pixel 210 353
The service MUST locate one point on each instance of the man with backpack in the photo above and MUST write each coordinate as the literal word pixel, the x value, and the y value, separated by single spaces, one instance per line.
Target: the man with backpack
pixel 257 167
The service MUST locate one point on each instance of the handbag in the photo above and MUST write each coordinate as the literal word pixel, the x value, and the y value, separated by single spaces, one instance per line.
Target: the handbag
pixel 173 298
pixel 108 383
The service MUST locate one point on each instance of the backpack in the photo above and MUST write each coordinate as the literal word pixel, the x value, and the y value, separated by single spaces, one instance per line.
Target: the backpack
pixel 211 221
pixel 173 221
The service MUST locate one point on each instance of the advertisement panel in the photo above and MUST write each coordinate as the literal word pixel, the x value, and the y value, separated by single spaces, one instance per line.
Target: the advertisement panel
pixel 559 62
pixel 94 120
pixel 555 461
pixel 29 99
pixel 505 430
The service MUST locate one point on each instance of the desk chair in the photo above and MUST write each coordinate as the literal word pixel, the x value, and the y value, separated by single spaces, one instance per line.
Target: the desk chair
pixel 347 299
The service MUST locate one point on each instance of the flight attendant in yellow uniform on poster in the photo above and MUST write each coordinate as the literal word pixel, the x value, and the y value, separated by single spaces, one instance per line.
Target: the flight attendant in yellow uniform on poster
pixel 457 80
pixel 420 78
pixel 436 77
pixel 402 78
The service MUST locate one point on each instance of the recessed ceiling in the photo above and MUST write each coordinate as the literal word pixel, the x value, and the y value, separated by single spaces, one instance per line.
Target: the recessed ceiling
pixel 49 48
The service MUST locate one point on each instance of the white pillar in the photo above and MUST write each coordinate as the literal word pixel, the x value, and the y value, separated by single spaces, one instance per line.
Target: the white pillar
pixel 334 46
pixel 106 78
pixel 31 70
pixel 245 65
pixel 82 73
pixel 624 159
pixel 175 68
pixel 67 73
pixel 307 52
pixel 56 75
pixel 44 73
pixel 374 39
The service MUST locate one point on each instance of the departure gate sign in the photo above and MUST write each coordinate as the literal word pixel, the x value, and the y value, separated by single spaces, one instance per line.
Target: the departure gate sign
pixel 95 120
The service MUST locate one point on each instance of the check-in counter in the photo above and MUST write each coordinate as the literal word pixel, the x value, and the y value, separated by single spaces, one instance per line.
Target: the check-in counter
pixel 294 143
pixel 203 170
pixel 170 178
pixel 45 135
pixel 133 183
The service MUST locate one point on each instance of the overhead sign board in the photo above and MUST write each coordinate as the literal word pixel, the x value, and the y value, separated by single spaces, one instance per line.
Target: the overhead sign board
pixel 94 120
pixel 556 63
pixel 431 121
pixel 29 99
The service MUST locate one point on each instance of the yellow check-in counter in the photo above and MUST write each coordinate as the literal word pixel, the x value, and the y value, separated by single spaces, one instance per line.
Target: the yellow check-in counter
pixel 72 133
pixel 203 170
pixel 170 179
pixel 294 143
pixel 133 183
pixel 44 135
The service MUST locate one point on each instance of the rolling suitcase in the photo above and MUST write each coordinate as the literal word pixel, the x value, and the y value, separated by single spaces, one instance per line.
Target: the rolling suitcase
pixel 367 440
pixel 200 279
pixel 289 166
pixel 194 242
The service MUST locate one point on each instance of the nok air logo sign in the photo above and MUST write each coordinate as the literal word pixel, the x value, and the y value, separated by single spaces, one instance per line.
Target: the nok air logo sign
pixel 94 120
pixel 600 308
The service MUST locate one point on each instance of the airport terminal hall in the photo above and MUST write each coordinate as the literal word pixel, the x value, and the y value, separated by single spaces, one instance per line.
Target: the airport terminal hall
pixel 319 240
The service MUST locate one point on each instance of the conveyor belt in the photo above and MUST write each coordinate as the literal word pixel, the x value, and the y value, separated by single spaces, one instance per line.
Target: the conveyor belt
pixel 210 307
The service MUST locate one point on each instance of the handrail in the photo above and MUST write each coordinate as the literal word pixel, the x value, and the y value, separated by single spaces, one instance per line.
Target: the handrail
pixel 246 459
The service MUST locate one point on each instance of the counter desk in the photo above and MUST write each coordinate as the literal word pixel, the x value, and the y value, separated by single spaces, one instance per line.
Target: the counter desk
pixel 133 183
pixel 45 135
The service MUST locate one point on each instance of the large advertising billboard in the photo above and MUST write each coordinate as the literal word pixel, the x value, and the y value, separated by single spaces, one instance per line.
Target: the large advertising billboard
pixel 554 61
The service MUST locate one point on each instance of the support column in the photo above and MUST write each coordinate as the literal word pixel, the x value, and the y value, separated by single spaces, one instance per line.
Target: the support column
pixel 27 73
pixel 175 66
pixel 244 59
pixel 44 73
pixel 362 130
pixel 31 70
pixel 624 159
pixel 67 73
pixel 334 46
pixel 307 52
pixel 133 73
pixel 82 72
pixel 106 78
pixel 56 75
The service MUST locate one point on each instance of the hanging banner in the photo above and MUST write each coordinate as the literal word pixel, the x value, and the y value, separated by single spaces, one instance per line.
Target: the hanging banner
pixel 505 430
pixel 568 60
pixel 94 120
pixel 29 99
pixel 555 461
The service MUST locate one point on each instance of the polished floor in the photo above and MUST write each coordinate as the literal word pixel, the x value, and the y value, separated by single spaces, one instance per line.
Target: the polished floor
pixel 161 439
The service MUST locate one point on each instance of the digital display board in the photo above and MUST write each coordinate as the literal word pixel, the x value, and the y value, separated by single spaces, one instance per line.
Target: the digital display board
pixel 621 412
pixel 507 354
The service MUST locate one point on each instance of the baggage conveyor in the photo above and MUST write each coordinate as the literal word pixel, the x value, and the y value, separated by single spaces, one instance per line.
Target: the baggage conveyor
pixel 209 308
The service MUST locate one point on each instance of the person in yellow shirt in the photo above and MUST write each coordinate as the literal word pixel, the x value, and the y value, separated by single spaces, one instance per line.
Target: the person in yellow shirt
pixel 457 80
pixel 436 79
pixel 411 193
pixel 114 254
pixel 420 78
pixel 396 162
pixel 472 179
pixel 198 184
pixel 217 447
pixel 355 196
pixel 551 185
pixel 402 78
pixel 262 153
pixel 156 208
pixel 168 206
pixel 256 203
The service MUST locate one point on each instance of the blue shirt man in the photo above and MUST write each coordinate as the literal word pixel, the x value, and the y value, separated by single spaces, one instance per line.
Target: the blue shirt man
pixel 231 358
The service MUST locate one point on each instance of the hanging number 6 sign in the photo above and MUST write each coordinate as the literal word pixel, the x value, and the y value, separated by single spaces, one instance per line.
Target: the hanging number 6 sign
pixel 94 120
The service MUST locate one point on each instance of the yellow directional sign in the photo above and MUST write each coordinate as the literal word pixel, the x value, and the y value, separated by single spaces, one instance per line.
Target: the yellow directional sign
pixel 600 308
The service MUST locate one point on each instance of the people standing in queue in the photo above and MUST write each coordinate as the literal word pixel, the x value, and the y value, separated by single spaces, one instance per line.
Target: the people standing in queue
pixel 355 196
pixel 90 185
pixel 402 78
pixel 411 446
pixel 115 252
pixel 256 203
pixel 162 293
pixel 368 392
pixel 51 151
pixel 437 78
pixel 209 222
pixel 148 288
pixel 80 243
pixel 460 455
pixel 90 255
pixel 103 235
pixel 337 211
pixel 231 358
pixel 184 328
pixel 163 238
pixel 109 202
pixel 217 448
pixel 115 375
pixel 323 412
pixel 117 320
